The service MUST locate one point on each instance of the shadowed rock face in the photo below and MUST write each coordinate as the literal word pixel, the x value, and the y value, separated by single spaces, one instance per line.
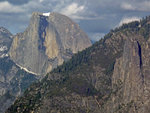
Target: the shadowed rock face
pixel 47 42
pixel 132 71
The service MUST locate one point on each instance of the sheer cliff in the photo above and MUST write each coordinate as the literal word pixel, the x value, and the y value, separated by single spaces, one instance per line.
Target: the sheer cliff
pixel 13 79
pixel 48 41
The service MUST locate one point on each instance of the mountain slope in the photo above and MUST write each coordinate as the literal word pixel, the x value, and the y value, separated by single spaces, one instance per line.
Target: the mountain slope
pixel 13 80
pixel 112 76
pixel 47 42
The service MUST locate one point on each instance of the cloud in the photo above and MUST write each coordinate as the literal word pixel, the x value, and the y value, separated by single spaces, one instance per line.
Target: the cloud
pixel 95 17
pixel 144 6
pixel 41 1
pixel 16 2
pixel 127 20
pixel 96 36
pixel 79 12
pixel 6 7
pixel 136 5
pixel 86 17
pixel 29 7
pixel 127 6
pixel 73 9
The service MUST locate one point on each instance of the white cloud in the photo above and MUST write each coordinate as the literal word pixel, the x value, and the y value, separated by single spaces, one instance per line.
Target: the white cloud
pixel 96 36
pixel 41 1
pixel 136 6
pixel 144 6
pixel 103 14
pixel 86 17
pixel 127 6
pixel 127 20
pixel 33 5
pixel 72 9
pixel 78 12
pixel 6 7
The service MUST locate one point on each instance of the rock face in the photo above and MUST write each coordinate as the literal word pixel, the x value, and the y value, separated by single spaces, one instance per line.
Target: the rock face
pixel 13 80
pixel 47 42
pixel 132 71
pixel 112 76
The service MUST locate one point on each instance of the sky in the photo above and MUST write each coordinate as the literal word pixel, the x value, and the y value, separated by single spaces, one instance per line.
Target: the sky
pixel 95 17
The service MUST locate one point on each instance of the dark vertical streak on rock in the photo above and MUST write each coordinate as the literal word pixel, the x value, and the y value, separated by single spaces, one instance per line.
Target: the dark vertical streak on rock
pixel 42 29
pixel 140 53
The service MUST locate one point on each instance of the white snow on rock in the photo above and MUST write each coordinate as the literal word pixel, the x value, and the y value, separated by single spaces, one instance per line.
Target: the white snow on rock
pixel 46 14
pixel 25 69
pixel 4 55
pixel 3 48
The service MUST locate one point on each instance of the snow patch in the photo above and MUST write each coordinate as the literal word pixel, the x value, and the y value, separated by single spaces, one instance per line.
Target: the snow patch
pixel 25 69
pixel 3 48
pixel 4 55
pixel 46 14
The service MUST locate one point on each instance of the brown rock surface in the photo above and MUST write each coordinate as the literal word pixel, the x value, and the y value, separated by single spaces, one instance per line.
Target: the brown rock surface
pixel 47 43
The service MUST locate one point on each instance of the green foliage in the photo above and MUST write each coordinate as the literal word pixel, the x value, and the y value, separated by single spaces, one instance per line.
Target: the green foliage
pixel 80 86
pixel 94 55
pixel 76 60
pixel 142 27
pixel 144 31
pixel 133 26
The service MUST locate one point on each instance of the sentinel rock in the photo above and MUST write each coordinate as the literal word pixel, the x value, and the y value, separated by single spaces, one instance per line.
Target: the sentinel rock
pixel 131 72
pixel 48 41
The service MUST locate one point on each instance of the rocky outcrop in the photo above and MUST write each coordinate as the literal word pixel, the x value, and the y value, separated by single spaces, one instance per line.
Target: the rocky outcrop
pixel 47 42
pixel 132 71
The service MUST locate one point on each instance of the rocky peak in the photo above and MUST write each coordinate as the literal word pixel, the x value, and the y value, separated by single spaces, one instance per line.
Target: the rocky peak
pixel 47 42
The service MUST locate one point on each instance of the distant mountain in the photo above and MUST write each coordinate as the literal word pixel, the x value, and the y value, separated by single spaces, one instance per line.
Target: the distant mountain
pixel 112 76
pixel 5 42
pixel 49 40
pixel 13 79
